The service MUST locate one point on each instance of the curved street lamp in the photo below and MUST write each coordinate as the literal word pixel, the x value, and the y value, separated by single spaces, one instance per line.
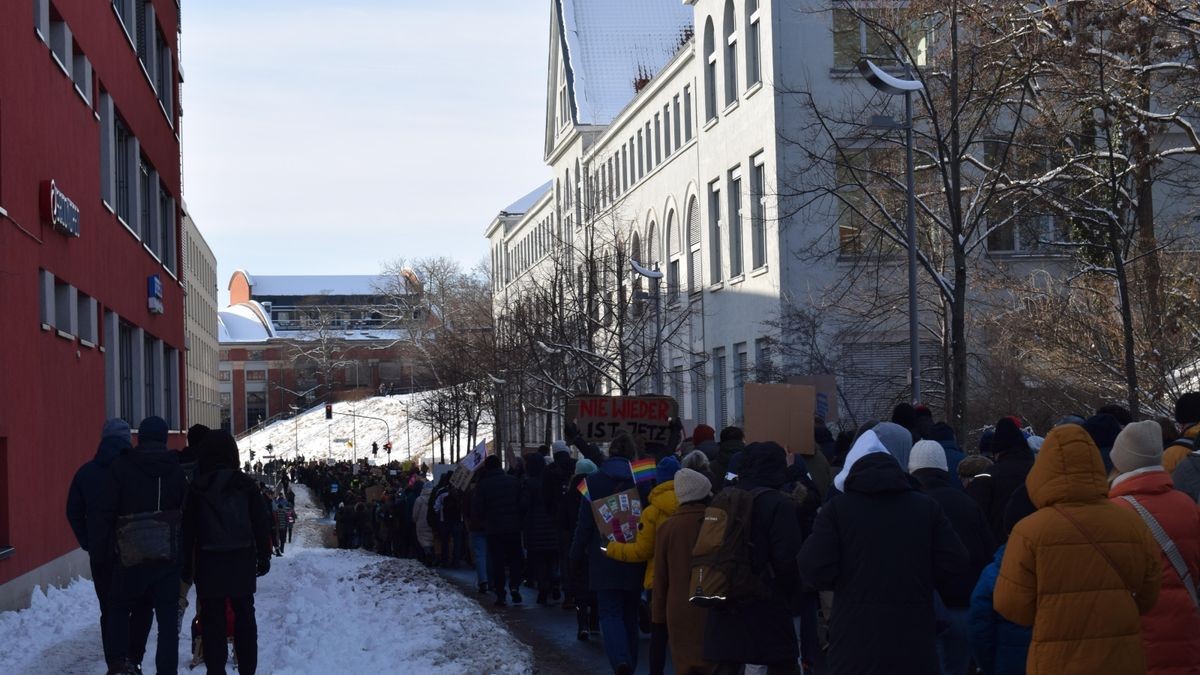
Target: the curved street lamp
pixel 891 85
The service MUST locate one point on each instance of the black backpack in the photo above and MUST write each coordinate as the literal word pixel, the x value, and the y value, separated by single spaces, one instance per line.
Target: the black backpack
pixel 224 514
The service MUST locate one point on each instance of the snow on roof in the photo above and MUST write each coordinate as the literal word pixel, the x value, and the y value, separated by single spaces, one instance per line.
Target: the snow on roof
pixel 355 335
pixel 243 323
pixel 525 203
pixel 613 43
pixel 303 285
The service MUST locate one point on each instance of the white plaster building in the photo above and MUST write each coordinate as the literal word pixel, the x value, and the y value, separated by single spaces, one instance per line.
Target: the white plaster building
pixel 200 305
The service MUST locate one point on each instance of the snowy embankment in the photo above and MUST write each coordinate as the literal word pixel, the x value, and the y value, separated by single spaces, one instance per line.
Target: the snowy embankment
pixel 318 438
pixel 319 611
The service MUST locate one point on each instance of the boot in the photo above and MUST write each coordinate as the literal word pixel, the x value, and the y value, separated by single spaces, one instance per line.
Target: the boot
pixel 581 619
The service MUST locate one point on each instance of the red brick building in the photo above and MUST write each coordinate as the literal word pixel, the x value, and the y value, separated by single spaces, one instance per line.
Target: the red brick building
pixel 291 342
pixel 89 255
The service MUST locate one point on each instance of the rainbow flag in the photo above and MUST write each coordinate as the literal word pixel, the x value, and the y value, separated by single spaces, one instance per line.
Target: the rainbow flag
pixel 643 470
pixel 583 490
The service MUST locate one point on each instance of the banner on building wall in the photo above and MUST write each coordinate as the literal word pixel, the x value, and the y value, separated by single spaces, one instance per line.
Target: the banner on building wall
pixel 782 413
pixel 646 418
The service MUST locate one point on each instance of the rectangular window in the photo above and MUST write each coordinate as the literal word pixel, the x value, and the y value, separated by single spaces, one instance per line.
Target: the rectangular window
pixel 145 192
pixel 86 321
pixel 699 393
pixel 140 38
pixel 753 39
pixel 735 223
pixel 150 375
pixel 714 230
pixel 256 407
pixel 741 367
pixel 862 194
pixel 651 140
pixel 758 206
pixel 226 403
pixel 125 361
pixel 640 157
pixel 256 376
pixel 666 113
pixel 731 69
pixel 41 23
pixel 687 113
pixel 169 374
pixel 678 137
pixel 163 72
pixel 860 32
pixel 720 389
pixel 695 278
pixel 46 297
pixel 166 217
pixel 224 375
pixel 81 73
pixel 124 170
pixel 64 307
pixel 60 40
pixel 672 281
pixel 657 139
pixel 763 362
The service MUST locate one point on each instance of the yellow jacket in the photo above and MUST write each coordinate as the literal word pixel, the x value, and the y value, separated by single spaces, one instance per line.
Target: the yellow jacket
pixel 1086 616
pixel 663 504
pixel 1174 454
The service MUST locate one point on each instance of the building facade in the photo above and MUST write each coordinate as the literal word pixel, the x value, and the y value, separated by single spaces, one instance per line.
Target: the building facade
pixel 200 303
pixel 89 249
pixel 288 343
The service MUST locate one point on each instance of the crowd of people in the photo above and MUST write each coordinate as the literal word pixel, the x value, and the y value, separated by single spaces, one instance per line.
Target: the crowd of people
pixel 156 523
pixel 889 550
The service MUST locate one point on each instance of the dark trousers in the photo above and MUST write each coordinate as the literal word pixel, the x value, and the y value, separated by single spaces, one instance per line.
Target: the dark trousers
pixel 542 568
pixel 245 634
pixel 102 578
pixel 785 668
pixel 137 588
pixel 619 626
pixel 280 538
pixel 505 555
pixel 289 538
pixel 451 534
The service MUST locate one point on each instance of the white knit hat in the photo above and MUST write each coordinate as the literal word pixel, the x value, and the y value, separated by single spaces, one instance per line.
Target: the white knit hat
pixel 1138 446
pixel 691 486
pixel 927 455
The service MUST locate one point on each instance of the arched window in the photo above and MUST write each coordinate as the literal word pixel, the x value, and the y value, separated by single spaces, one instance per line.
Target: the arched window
pixel 672 257
pixel 653 255
pixel 731 75
pixel 753 44
pixel 710 71
pixel 693 230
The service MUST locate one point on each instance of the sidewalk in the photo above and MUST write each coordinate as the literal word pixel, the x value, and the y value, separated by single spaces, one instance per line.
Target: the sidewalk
pixel 549 630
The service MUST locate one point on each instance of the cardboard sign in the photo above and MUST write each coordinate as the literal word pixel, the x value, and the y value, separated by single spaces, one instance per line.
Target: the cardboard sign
pixel 374 493
pixel 782 413
pixel 617 516
pixel 646 418
pixel 474 460
pixel 827 394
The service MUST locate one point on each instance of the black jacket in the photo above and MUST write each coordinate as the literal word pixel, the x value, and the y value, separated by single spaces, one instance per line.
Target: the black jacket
pixel 538 526
pixel 1007 474
pixel 969 524
pixel 762 631
pixel 147 478
pixel 497 499
pixel 86 497
pixel 224 574
pixel 883 549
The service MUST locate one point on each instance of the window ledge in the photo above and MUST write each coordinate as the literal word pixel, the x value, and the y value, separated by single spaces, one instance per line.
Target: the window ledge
pixel 61 65
pixel 84 97
pixel 47 326
pixel 754 89
pixel 715 287
pixel 711 123
pixel 731 107
pixel 6 552
pixel 3 213
pixel 124 28
pixel 128 228
pixel 108 206
pixel 65 335
pixel 759 271
pixel 737 279
pixel 87 343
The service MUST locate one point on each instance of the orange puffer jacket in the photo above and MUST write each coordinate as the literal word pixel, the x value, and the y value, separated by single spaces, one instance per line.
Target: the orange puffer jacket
pixel 1085 615
pixel 1171 631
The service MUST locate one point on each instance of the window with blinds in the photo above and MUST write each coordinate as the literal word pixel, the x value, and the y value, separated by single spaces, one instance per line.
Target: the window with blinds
pixel 720 389
pixel 741 366
pixel 693 227
pixel 699 393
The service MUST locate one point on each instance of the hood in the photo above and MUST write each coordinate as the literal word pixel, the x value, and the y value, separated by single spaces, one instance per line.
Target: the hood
pixel 213 485
pixel 1068 469
pixel 897 439
pixel 563 462
pixel 663 496
pixel 877 473
pixel 154 462
pixel 867 444
pixel 618 468
pixel 111 447
pixel 1151 482
pixel 1103 429
pixel 763 465
pixel 932 479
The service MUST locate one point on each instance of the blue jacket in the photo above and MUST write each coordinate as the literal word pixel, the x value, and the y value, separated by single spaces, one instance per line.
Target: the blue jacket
pixel 1000 647
pixel 953 456
pixel 90 482
pixel 604 573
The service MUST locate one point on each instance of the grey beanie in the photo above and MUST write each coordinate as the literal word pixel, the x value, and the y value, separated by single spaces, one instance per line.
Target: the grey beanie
pixel 691 486
pixel 1138 446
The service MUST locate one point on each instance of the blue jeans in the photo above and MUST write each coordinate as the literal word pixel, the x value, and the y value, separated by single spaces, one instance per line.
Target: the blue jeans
pixel 479 550
pixel 954 647
pixel 619 626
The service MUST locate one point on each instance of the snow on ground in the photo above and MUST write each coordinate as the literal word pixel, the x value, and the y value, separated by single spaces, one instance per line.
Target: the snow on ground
pixel 319 611
pixel 318 438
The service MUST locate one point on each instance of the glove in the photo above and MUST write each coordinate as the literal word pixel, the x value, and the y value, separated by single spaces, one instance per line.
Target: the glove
pixel 264 566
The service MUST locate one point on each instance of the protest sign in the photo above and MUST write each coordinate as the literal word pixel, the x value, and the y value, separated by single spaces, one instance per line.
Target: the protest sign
pixel 826 404
pixel 464 472
pixel 782 413
pixel 646 418
pixel 617 516
pixel 374 493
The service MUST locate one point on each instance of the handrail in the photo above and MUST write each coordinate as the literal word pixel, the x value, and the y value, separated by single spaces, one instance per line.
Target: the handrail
pixel 6 552
pixel 275 418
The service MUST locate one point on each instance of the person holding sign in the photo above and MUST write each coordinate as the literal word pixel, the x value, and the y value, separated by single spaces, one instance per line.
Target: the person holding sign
pixel 617 585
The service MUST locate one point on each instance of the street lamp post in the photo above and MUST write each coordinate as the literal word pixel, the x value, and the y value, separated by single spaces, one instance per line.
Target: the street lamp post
pixel 655 277
pixel 894 86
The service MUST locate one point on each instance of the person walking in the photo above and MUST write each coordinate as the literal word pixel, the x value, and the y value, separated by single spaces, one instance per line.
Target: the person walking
pixel 1013 461
pixel 617 585
pixel 1171 630
pixel 1081 570
pixel 683 622
pixel 537 530
pixel 575 580
pixel 477 536
pixel 141 512
pixel 84 501
pixel 929 465
pixel 421 510
pixel 1187 416
pixel 883 548
pixel 283 514
pixel 999 646
pixel 498 499
pixel 227 545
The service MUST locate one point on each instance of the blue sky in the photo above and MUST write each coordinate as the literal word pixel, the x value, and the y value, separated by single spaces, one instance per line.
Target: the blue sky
pixel 329 137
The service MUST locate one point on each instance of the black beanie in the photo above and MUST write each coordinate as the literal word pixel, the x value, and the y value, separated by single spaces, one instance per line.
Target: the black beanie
pixel 1187 408
pixel 1008 437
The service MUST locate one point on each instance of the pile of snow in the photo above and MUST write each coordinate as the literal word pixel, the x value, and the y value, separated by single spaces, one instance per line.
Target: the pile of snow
pixel 319 438
pixel 318 610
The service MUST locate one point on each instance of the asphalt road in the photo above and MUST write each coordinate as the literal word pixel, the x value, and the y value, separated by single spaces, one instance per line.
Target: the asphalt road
pixel 549 630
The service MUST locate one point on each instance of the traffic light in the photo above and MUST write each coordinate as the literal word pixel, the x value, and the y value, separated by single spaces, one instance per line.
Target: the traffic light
pixel 388 447
pixel 328 411
pixel 375 449
pixel 251 455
